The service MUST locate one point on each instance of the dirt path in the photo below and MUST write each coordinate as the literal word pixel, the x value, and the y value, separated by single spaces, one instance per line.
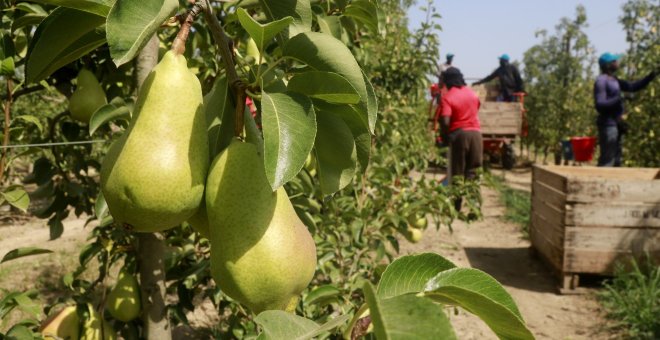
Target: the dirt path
pixel 497 248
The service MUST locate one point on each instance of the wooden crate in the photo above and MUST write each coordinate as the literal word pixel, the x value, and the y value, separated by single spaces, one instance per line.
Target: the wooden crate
pixel 586 219
pixel 500 118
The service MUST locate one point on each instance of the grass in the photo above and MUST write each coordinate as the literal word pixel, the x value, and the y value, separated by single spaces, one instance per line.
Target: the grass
pixel 632 299
pixel 518 203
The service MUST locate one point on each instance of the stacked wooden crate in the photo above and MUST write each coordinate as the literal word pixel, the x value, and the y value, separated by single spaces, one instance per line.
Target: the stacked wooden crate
pixel 586 219
pixel 500 118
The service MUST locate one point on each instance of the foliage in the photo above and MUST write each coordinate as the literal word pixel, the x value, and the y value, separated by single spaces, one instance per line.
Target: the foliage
pixel 641 21
pixel 312 86
pixel 632 298
pixel 560 82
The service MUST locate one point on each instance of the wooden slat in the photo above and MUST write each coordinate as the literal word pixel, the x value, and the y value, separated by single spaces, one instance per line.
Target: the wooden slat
pixel 549 195
pixel 634 240
pixel 613 214
pixel 552 179
pixel 545 247
pixel 607 190
pixel 548 212
pixel 596 261
pixel 591 172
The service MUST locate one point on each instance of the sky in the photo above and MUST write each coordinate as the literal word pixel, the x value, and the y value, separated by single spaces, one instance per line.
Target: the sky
pixel 478 31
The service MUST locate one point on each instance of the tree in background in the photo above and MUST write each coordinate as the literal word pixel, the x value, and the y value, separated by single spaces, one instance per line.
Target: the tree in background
pixel 558 71
pixel 641 21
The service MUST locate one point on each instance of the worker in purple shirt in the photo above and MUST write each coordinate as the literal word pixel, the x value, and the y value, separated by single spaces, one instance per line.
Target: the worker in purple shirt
pixel 609 104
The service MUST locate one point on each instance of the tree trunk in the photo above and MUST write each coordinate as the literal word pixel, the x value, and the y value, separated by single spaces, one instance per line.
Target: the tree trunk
pixel 151 246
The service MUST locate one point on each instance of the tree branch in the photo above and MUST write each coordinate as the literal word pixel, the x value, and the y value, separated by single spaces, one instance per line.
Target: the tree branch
pixel 5 141
pixel 179 44
pixel 223 42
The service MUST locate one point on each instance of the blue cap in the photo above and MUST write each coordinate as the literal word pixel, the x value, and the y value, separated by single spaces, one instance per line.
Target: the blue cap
pixel 450 55
pixel 607 58
pixel 505 57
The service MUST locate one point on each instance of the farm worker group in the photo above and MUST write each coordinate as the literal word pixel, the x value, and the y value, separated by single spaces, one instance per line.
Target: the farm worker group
pixel 609 104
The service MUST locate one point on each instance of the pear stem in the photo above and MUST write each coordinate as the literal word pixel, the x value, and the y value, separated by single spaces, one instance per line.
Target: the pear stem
pixel 179 44
pixel 225 50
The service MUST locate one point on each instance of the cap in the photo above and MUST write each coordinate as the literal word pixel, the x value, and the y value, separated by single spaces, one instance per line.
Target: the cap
pixel 505 57
pixel 607 58
pixel 450 55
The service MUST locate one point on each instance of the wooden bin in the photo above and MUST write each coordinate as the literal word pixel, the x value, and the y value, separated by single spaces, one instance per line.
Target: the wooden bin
pixel 586 219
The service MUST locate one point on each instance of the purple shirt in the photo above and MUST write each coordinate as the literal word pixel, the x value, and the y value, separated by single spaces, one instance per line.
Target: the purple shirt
pixel 607 96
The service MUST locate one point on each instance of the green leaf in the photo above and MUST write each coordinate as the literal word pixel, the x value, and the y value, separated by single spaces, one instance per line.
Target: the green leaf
pixel 26 304
pixel 56 227
pixel 31 8
pixel 277 325
pixel 327 86
pixel 27 20
pixel 64 36
pixel 17 197
pixel 100 206
pixel 407 317
pixel 282 325
pixel 331 25
pixel 322 52
pixel 21 252
pixel 98 7
pixel 262 34
pixel 299 10
pixel 31 120
pixel 410 274
pixel 482 295
pixel 7 67
pixel 335 153
pixel 20 332
pixel 322 293
pixel 112 111
pixel 364 12
pixel 289 127
pixel 219 110
pixel 131 24
pixel 359 127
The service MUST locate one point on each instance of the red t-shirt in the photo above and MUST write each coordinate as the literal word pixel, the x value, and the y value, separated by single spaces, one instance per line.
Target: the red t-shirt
pixel 462 105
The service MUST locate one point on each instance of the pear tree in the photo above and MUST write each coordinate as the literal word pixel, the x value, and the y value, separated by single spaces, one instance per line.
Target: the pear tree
pixel 262 206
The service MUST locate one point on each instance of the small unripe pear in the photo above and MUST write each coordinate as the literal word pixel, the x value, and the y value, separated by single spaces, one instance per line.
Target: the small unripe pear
pixel 123 302
pixel 413 234
pixel 62 325
pixel 87 98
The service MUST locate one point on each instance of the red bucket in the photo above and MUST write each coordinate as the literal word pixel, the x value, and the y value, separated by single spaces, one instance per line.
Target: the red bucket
pixel 583 148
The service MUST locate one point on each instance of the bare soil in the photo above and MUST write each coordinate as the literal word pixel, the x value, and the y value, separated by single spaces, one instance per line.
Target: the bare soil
pixel 498 248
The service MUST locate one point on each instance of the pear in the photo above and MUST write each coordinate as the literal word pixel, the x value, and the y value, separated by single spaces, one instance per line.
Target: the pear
pixel 62 325
pixel 123 302
pixel 262 255
pixel 200 221
pixel 413 235
pixel 153 175
pixel 95 328
pixel 252 50
pixel 87 97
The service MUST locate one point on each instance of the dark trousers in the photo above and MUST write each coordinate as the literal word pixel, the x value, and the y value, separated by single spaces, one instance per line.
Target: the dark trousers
pixel 609 140
pixel 466 149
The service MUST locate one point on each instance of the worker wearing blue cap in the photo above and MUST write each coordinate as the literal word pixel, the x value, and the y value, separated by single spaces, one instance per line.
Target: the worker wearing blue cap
pixel 509 77
pixel 609 104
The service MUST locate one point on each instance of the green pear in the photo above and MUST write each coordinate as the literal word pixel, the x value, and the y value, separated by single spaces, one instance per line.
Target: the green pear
pixel 153 175
pixel 200 221
pixel 262 255
pixel 123 302
pixel 95 328
pixel 252 50
pixel 413 234
pixel 62 325
pixel 87 97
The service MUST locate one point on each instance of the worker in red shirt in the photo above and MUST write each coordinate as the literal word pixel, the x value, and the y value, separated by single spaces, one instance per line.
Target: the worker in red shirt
pixel 460 128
